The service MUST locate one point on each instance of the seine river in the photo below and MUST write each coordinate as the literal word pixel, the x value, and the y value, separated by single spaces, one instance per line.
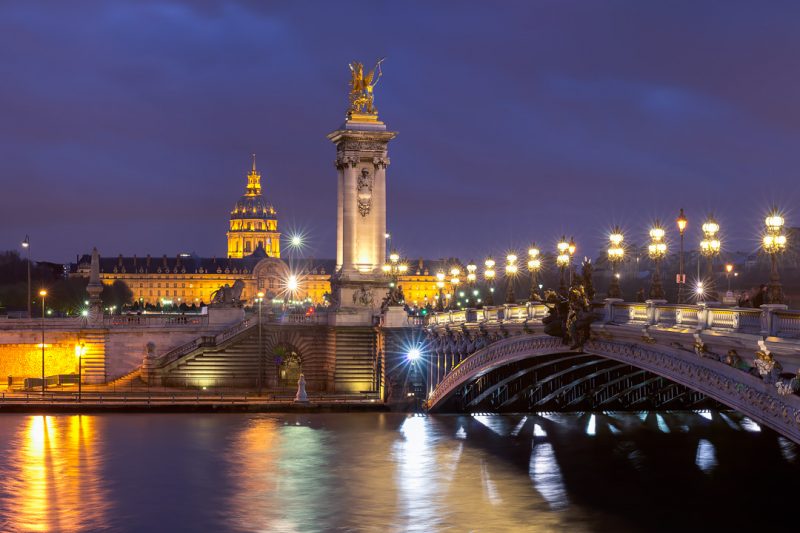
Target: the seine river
pixel 393 472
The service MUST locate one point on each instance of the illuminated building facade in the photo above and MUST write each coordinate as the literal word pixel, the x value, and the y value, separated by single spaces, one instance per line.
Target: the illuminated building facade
pixel 254 222
pixel 253 256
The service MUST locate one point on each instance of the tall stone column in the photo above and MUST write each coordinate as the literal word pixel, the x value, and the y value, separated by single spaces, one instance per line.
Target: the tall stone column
pixel 359 284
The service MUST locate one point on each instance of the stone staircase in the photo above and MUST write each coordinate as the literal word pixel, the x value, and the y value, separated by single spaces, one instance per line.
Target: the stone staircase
pixel 234 365
pixel 355 360
pixel 93 365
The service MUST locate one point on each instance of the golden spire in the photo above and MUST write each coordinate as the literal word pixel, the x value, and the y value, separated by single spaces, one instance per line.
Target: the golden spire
pixel 254 180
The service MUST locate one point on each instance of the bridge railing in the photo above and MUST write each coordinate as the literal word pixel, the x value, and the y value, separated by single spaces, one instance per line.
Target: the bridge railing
pixel 769 320
pixel 155 321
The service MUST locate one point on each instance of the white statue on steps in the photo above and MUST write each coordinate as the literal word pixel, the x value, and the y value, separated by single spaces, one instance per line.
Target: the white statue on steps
pixel 301 395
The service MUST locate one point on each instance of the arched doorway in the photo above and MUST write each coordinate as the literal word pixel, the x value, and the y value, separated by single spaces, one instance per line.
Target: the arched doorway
pixel 289 365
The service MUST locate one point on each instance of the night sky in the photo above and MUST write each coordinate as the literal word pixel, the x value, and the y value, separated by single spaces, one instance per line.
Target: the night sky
pixel 129 125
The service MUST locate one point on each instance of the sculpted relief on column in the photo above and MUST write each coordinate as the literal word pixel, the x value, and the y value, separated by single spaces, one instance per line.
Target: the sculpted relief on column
pixel 365 181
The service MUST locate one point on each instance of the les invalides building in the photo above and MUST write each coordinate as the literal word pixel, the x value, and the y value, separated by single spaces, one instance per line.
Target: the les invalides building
pixel 253 258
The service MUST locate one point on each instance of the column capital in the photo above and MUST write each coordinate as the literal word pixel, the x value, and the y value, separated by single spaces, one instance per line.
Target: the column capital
pixel 380 162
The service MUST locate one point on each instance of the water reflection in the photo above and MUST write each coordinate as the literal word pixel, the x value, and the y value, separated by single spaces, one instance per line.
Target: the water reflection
pixel 51 476
pixel 388 472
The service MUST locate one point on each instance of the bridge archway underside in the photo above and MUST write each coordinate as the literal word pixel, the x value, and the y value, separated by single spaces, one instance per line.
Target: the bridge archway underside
pixel 692 359
pixel 569 382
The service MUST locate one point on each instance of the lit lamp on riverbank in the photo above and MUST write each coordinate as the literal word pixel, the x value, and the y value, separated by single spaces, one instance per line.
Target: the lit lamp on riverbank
pixel 534 264
pixel 615 255
pixel 657 249
pixel 709 248
pixel 80 351
pixel 774 243
pixel 472 278
pixel 488 275
pixel 511 273
pixel 43 295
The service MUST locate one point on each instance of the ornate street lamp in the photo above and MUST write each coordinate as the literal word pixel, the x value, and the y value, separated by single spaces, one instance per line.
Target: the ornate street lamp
pixel 440 285
pixel 489 275
pixel 562 260
pixel 681 278
pixel 774 243
pixel 395 269
pixel 571 249
pixel 472 277
pixel 616 253
pixel 657 250
pixel 710 247
pixel 455 272
pixel 534 264
pixel 728 272
pixel 511 274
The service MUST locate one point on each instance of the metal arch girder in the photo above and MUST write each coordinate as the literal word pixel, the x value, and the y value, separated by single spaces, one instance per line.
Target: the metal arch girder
pixel 563 373
pixel 517 375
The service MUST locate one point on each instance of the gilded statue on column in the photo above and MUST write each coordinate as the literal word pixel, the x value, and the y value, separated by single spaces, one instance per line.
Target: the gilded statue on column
pixel 361 88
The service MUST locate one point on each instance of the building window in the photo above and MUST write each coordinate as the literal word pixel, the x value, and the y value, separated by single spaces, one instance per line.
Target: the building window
pixel 247 246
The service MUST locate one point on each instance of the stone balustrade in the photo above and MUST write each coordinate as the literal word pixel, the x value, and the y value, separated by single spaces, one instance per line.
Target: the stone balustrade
pixel 769 321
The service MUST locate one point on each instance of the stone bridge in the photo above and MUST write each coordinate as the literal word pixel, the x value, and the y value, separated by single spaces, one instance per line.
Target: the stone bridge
pixel 746 359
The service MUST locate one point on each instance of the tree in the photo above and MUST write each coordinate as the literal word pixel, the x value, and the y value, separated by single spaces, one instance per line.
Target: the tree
pixel 117 295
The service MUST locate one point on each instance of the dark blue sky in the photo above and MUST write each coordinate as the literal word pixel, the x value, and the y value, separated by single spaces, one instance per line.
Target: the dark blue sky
pixel 128 125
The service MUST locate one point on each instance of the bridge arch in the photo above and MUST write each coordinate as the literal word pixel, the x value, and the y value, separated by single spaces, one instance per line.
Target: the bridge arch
pixel 739 390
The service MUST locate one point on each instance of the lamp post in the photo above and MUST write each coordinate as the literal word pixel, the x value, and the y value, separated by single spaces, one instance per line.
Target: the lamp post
pixel 534 264
pixel 657 250
pixel 681 278
pixel 511 273
pixel 615 255
pixel 562 260
pixel 394 268
pixel 489 275
pixel 728 271
pixel 43 294
pixel 774 243
pixel 27 245
pixel 455 272
pixel 571 250
pixel 80 350
pixel 440 285
pixel 710 247
pixel 259 299
pixel 472 277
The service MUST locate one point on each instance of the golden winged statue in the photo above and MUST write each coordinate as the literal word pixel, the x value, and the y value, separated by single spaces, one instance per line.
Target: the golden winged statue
pixel 361 88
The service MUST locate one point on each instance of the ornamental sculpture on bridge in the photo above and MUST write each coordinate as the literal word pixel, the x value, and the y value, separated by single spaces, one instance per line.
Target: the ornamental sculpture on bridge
pixel 228 296
pixel 362 86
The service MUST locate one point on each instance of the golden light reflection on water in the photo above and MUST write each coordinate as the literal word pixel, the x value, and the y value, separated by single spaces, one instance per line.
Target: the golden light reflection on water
pixel 52 476
pixel 414 475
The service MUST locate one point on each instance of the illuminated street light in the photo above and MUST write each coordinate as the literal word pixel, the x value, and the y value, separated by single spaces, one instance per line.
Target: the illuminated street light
pixel 413 354
pixel 774 242
pixel 616 254
pixel 43 294
pixel 657 249
pixel 26 243
pixel 682 222
pixel 489 274
pixel 710 247
pixel 511 273
pixel 562 261
pixel 534 264
pixel 455 273
pixel 80 351
pixel 440 276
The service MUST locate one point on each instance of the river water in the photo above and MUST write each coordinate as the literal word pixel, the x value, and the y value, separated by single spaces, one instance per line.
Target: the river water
pixel 394 472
